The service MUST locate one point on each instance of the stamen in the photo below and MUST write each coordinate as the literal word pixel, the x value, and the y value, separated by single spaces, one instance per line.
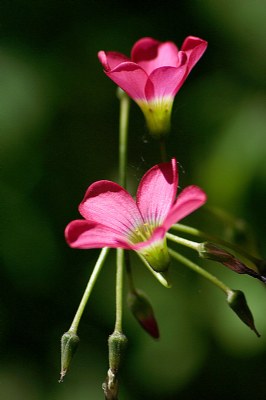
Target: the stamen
pixel 142 233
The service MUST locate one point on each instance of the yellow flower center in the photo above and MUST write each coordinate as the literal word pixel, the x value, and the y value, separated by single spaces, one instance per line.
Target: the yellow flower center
pixel 156 253
pixel 142 233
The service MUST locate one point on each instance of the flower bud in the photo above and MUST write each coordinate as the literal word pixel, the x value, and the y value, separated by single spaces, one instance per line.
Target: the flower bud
pixel 212 252
pixel 237 301
pixel 69 344
pixel 117 344
pixel 143 312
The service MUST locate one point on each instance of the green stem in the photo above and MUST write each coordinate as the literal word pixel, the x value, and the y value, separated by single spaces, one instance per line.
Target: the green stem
pixel 200 271
pixel 88 290
pixel 123 135
pixel 183 242
pixel 119 289
pixel 196 232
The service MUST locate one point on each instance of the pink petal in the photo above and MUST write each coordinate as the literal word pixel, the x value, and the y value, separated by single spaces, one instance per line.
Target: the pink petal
pixel 189 200
pixel 166 82
pixel 194 48
pixel 131 78
pixel 157 191
pixel 145 49
pixel 151 54
pixel 111 59
pixel 109 204
pixel 83 234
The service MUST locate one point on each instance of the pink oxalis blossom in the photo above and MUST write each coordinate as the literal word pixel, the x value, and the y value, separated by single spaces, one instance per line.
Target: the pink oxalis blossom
pixel 114 219
pixel 153 75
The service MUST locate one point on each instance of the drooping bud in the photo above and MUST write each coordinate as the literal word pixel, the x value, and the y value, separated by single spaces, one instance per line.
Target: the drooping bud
pixel 237 302
pixel 69 344
pixel 117 343
pixel 143 312
pixel 212 252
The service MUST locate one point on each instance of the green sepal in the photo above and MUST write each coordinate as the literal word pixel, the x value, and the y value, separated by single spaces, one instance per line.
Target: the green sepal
pixel 157 256
pixel 69 344
pixel 117 343
pixel 237 302
pixel 158 116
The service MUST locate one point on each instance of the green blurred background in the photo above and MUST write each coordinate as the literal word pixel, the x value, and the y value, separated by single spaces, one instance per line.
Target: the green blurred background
pixel 58 133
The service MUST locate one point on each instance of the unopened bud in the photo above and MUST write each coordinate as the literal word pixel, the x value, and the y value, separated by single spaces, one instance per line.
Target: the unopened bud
pixel 117 343
pixel 237 301
pixel 143 312
pixel 69 344
pixel 212 252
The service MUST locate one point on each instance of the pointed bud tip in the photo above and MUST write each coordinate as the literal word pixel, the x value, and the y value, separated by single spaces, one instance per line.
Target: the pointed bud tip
pixel 142 310
pixel 151 327
pixel 257 333
pixel 164 279
pixel 69 344
pixel 237 302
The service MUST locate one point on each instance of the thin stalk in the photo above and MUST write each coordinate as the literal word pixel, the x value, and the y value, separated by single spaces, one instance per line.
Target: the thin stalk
pixel 119 289
pixel 183 242
pixel 215 281
pixel 88 290
pixel 123 136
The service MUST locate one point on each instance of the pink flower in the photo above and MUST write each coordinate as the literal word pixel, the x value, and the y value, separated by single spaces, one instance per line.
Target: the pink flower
pixel 153 75
pixel 114 219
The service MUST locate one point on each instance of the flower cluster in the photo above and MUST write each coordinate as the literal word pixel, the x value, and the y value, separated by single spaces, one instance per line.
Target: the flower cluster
pixel 112 218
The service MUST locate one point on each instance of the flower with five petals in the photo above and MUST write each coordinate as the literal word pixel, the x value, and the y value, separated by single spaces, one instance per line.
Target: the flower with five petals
pixel 114 219
pixel 153 75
